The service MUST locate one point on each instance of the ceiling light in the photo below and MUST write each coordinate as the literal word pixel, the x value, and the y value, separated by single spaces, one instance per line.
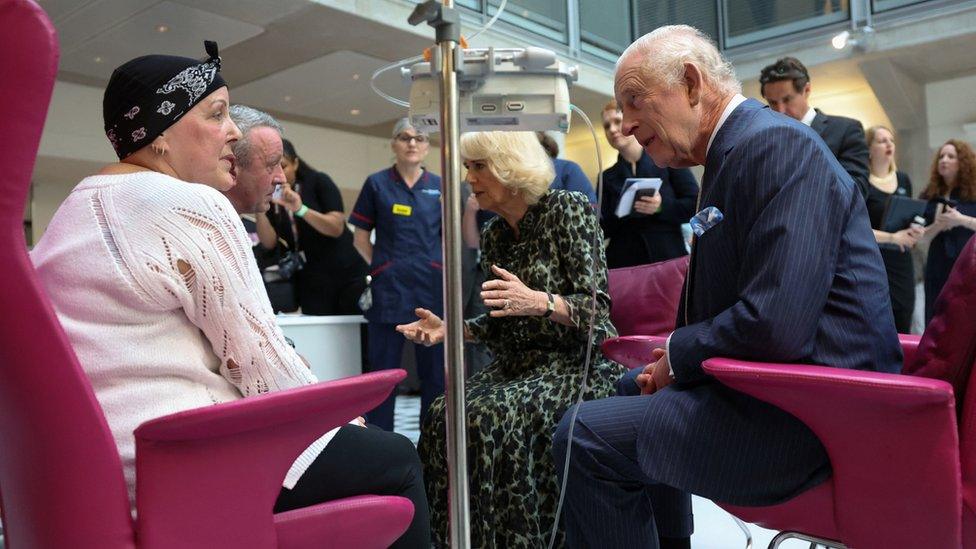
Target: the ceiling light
pixel 860 40
pixel 355 77
pixel 97 59
pixel 287 98
pixel 162 28
pixel 354 112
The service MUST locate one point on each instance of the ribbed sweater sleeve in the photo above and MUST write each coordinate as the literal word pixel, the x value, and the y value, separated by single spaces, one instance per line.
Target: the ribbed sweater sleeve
pixel 186 248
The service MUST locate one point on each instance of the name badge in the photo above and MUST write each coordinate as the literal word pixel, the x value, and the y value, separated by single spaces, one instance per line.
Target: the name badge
pixel 402 209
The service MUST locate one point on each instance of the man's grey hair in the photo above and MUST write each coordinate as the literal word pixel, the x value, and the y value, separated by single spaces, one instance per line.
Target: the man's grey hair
pixel 247 119
pixel 665 50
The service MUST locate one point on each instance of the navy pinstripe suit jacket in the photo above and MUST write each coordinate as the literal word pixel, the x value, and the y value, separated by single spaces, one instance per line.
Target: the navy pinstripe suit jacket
pixel 793 272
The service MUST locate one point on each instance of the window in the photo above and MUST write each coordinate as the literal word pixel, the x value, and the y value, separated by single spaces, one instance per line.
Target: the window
pixel 605 25
pixel 748 21
pixel 701 14
pixel 878 6
pixel 543 17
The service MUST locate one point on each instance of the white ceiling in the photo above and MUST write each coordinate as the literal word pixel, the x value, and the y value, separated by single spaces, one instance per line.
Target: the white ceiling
pixel 293 58
pixel 332 87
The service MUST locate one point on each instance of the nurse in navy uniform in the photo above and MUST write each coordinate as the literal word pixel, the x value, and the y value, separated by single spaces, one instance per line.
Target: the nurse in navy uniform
pixel 403 205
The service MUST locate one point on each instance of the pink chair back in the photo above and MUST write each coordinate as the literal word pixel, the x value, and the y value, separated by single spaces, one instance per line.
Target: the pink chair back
pixel 51 426
pixel 644 299
pixel 947 351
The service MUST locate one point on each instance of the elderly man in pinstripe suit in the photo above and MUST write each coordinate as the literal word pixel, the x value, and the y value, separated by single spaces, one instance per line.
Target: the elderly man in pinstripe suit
pixel 784 268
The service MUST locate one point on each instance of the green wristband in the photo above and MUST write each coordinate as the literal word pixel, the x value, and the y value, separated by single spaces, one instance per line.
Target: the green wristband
pixel 300 212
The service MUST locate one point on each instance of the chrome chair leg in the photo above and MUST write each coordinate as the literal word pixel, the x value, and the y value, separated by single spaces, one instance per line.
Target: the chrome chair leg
pixel 745 530
pixel 814 541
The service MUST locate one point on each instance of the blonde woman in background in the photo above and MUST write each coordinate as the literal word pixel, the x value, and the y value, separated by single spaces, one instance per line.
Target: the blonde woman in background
pixel 886 182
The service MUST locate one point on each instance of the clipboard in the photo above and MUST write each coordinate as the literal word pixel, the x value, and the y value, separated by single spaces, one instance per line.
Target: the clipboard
pixel 632 185
pixel 900 211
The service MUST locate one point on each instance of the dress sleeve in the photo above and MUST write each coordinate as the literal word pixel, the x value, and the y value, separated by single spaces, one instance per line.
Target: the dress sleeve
pixel 197 258
pixel 582 266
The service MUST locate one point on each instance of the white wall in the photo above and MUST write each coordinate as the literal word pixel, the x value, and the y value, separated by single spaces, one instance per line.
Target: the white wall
pixel 950 105
pixel 73 146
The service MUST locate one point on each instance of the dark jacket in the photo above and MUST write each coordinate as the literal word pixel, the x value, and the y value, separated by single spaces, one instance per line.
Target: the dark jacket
pixel 845 139
pixel 792 273
pixel 640 239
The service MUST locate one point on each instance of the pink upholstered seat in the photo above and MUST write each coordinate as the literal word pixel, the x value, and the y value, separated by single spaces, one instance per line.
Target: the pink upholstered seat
pixel 904 470
pixel 206 478
pixel 644 304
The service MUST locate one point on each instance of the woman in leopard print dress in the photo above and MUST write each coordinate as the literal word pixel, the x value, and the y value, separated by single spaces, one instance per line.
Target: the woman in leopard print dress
pixel 540 266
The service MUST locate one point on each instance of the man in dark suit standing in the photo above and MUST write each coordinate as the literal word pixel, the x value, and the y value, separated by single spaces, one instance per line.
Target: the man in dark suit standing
pixel 785 85
pixel 784 268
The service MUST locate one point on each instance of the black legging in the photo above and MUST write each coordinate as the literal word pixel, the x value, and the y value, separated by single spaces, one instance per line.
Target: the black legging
pixel 365 461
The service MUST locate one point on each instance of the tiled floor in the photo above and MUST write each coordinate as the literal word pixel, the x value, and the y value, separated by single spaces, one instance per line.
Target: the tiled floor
pixel 714 528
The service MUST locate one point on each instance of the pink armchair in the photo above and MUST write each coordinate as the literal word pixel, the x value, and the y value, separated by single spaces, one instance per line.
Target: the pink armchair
pixel 904 469
pixel 644 304
pixel 206 477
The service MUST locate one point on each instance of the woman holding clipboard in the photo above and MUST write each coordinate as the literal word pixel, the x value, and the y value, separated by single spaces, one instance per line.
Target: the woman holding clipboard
pixel 651 230
pixel 886 182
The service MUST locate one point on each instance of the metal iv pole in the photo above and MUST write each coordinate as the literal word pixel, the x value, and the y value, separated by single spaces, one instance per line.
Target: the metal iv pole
pixel 446 59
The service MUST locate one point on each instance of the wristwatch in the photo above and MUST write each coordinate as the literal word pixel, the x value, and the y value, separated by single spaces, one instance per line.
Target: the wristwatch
pixel 550 306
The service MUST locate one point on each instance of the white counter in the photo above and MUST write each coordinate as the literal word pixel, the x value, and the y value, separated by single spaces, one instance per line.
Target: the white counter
pixel 331 344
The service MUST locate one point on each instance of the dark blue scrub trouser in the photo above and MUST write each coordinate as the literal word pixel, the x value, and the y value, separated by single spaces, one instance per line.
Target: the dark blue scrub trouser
pixel 385 348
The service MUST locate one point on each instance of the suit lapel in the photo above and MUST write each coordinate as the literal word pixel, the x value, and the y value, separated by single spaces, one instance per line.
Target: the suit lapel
pixel 725 140
pixel 819 123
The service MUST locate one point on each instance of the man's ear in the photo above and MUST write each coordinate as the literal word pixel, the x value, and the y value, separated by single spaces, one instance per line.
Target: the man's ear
pixel 693 82
pixel 806 90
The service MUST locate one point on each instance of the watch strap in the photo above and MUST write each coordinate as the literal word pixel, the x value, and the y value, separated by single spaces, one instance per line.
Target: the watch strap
pixel 550 306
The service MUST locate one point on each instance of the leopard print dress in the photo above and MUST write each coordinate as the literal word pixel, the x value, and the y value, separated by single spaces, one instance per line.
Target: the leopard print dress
pixel 515 403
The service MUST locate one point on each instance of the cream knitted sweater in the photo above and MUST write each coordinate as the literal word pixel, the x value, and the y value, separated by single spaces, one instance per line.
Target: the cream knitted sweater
pixel 155 284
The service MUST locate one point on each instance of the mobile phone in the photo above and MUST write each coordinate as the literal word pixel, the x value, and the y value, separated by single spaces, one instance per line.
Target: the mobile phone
pixel 645 192
pixel 276 194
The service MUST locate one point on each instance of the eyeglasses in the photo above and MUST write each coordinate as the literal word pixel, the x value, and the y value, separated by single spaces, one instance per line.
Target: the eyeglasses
pixel 406 139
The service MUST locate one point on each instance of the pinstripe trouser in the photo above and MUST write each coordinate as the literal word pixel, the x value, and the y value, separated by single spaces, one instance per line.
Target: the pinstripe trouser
pixel 635 459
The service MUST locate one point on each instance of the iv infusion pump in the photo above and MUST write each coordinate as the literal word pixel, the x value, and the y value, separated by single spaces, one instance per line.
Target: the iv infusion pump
pixel 500 89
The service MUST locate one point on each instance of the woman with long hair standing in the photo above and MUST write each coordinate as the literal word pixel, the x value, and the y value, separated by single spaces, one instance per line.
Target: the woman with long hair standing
pixel 952 179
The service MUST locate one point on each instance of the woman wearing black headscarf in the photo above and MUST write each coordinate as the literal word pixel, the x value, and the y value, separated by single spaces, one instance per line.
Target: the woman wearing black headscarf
pixel 152 277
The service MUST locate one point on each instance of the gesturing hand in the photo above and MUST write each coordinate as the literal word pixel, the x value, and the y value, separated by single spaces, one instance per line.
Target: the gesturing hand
pixel 509 296
pixel 429 330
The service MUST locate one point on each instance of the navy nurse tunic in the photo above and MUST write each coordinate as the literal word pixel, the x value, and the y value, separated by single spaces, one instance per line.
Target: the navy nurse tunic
pixel 407 265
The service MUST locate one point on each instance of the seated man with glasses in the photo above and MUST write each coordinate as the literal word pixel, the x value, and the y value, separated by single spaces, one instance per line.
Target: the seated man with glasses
pixel 785 85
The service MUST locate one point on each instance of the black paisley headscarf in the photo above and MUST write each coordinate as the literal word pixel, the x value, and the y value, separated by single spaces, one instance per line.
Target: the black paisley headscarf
pixel 151 93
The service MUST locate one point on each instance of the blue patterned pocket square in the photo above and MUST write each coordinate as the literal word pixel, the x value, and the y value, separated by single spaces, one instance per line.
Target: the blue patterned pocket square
pixel 705 220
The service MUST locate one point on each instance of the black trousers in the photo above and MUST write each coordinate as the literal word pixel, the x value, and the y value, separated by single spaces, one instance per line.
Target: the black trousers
pixel 365 461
